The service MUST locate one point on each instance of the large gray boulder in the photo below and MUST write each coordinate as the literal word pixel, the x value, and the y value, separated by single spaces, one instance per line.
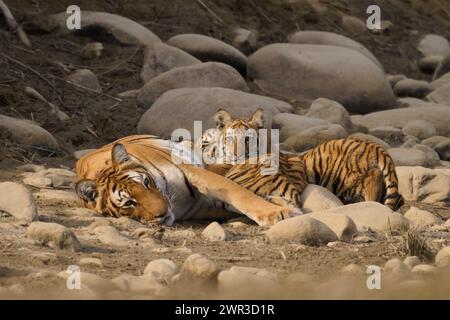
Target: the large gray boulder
pixel 306 72
pixel 370 214
pixel 291 124
pixel 209 49
pixel 160 57
pixel 331 39
pixel 411 157
pixel 424 185
pixel 125 30
pixel 179 108
pixel 368 137
pixel 312 137
pixel 209 74
pixel 331 111
pixel 440 95
pixel 437 115
pixel 28 133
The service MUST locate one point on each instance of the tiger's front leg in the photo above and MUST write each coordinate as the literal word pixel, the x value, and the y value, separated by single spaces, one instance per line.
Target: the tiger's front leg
pixel 242 200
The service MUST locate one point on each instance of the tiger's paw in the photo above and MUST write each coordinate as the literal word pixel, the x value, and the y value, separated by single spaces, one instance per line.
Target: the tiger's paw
pixel 278 215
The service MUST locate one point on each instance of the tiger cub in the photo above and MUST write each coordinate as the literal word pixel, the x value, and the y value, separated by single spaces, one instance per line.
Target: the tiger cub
pixel 282 186
pixel 354 170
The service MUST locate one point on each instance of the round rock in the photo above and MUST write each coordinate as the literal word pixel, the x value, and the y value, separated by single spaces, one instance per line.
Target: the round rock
pixel 28 133
pixel 53 233
pixel 162 269
pixel 331 39
pixel 160 57
pixel 373 215
pixel 421 129
pixel 412 88
pixel 314 136
pixel 85 78
pixel 433 44
pixel 424 185
pixel 246 280
pixel 214 232
pixel 111 236
pixel 198 267
pixel 210 74
pixel 301 229
pixel 305 72
pixel 209 49
pixel 342 226
pixel 369 137
pixel 318 198
pixel 396 269
pixel 125 30
pixel 411 157
pixel 441 95
pixel 437 115
pixel 291 124
pixel 442 258
pixel 422 218
pixel 330 111
pixel 200 104
pixel 393 136
pixel 353 24
pixel 411 261
pixel 17 200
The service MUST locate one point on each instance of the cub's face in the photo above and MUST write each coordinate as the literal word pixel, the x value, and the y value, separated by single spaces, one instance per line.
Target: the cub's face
pixel 124 189
pixel 238 137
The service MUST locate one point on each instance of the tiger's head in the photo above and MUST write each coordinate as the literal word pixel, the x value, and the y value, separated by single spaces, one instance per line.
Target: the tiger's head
pixel 238 138
pixel 125 188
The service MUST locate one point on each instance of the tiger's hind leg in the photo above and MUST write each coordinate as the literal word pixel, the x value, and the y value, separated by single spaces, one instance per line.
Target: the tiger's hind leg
pixel 374 186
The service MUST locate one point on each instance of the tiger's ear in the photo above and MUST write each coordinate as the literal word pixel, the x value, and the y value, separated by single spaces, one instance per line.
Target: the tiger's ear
pixel 119 154
pixel 258 118
pixel 222 118
pixel 87 190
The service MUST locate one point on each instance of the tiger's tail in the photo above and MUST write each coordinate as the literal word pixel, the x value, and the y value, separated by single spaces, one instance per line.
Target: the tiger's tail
pixel 393 199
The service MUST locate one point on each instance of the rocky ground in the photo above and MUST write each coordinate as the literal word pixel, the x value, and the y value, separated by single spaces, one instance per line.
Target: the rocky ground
pixel 72 92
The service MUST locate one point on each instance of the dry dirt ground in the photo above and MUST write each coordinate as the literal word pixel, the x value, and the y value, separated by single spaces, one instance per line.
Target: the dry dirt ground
pixel 30 268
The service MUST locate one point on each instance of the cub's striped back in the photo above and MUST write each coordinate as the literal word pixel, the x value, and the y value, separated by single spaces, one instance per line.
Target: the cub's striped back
pixel 354 170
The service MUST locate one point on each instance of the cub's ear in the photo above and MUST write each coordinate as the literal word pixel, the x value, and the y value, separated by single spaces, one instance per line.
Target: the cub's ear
pixel 119 154
pixel 222 118
pixel 258 118
pixel 87 190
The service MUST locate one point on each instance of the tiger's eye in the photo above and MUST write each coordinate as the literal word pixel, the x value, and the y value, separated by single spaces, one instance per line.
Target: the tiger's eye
pixel 129 203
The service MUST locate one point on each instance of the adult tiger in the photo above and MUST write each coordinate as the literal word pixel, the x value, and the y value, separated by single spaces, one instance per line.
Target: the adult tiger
pixel 280 180
pixel 354 170
pixel 139 176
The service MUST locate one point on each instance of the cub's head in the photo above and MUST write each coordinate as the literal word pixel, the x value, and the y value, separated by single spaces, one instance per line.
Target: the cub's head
pixel 123 189
pixel 238 137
